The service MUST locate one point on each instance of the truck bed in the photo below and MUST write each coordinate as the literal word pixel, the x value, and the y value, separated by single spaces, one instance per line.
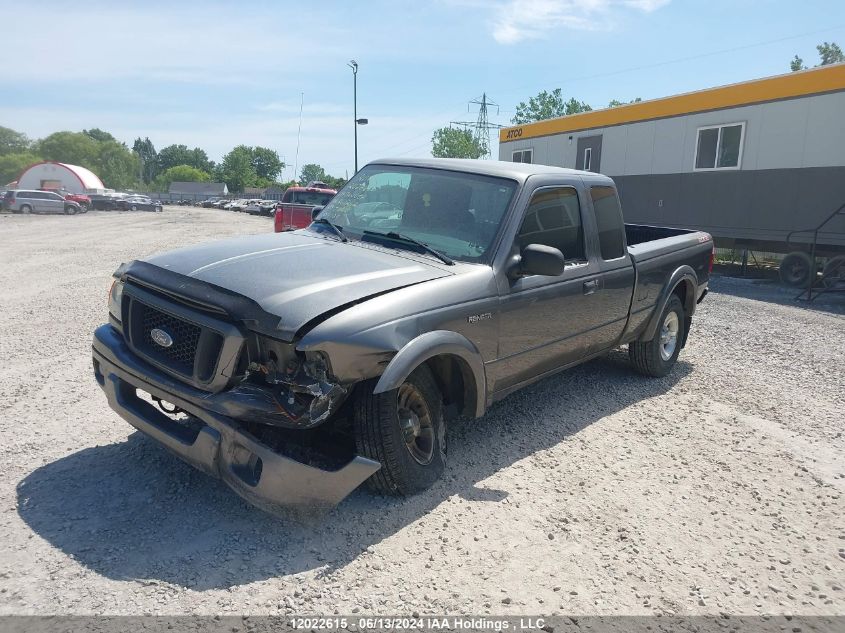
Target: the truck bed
pixel 647 242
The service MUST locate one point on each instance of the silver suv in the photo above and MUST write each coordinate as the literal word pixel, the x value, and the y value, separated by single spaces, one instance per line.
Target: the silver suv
pixel 31 201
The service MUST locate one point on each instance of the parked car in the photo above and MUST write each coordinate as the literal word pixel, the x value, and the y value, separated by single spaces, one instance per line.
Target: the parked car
pixel 297 207
pixel 106 201
pixel 238 205
pixel 33 201
pixel 139 203
pixel 312 361
pixel 209 203
pixel 81 199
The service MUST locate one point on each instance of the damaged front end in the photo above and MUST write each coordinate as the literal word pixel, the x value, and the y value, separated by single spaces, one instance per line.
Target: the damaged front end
pixel 294 394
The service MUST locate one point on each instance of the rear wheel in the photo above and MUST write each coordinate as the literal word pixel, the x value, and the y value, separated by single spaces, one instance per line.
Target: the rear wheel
pixel 795 269
pixel 25 208
pixel 403 429
pixel 83 208
pixel 657 356
pixel 134 207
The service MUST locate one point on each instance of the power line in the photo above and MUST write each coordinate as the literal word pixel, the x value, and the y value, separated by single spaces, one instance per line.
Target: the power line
pixel 482 124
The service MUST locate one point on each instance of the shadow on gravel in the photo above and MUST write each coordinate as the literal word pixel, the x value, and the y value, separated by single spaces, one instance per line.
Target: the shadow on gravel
pixel 772 291
pixel 132 511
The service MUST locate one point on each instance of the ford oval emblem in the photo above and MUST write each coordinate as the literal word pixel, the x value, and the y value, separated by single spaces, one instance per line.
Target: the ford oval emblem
pixel 160 337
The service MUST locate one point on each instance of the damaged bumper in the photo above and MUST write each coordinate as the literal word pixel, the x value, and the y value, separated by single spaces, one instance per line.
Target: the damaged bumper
pixel 217 445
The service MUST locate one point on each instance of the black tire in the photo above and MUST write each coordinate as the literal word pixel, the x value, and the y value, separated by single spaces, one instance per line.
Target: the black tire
pixel 69 210
pixel 651 358
pixel 795 269
pixel 26 209
pixel 834 271
pixel 134 207
pixel 83 208
pixel 407 467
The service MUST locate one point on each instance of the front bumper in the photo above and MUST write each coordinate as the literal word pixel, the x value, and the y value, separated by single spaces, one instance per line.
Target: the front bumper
pixel 220 448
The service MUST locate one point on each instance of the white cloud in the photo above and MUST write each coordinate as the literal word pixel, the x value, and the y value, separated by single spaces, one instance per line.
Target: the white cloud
pixel 518 20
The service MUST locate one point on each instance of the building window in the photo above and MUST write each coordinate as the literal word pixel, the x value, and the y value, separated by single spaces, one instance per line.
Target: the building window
pixel 523 156
pixel 719 146
pixel 588 158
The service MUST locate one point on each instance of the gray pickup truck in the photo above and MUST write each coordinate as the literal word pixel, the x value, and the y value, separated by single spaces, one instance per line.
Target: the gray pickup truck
pixel 295 366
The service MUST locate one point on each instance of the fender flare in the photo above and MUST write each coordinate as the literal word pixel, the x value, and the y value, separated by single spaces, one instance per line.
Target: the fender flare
pixel 429 345
pixel 683 274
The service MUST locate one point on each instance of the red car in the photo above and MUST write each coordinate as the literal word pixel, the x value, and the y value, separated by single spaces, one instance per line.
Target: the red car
pixel 295 209
pixel 81 199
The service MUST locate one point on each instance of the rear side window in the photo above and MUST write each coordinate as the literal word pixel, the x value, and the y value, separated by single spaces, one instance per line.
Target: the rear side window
pixel 553 219
pixel 609 222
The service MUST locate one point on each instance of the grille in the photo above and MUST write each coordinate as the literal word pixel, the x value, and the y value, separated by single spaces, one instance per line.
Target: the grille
pixel 186 337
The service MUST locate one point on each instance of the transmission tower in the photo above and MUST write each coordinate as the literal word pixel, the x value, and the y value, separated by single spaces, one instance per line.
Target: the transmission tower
pixel 481 127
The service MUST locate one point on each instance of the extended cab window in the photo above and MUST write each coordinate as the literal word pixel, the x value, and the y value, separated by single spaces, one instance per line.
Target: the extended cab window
pixel 553 219
pixel 609 222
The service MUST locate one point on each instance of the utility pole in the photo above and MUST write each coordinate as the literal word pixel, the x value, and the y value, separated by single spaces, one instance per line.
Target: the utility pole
pixel 298 134
pixel 355 120
pixel 481 126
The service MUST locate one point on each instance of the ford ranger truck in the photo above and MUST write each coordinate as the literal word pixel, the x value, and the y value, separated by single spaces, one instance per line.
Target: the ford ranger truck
pixel 297 366
pixel 298 204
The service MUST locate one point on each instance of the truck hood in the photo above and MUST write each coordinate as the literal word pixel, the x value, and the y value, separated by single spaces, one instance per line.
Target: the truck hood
pixel 293 278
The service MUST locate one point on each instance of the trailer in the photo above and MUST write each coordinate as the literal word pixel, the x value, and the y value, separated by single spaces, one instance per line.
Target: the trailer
pixel 759 165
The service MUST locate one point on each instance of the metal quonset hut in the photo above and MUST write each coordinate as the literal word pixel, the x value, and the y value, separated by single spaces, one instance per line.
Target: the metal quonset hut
pixel 750 163
pixel 52 175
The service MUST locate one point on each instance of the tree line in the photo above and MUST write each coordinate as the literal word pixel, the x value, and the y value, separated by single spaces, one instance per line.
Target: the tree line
pixel 449 142
pixel 142 167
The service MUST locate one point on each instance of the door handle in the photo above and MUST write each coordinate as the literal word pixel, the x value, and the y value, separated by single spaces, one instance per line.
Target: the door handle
pixel 591 286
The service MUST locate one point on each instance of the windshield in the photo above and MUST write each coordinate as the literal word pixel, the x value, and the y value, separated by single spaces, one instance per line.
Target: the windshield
pixel 457 214
pixel 314 198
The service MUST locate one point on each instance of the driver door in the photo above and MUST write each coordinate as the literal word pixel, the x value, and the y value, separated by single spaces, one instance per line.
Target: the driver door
pixel 545 321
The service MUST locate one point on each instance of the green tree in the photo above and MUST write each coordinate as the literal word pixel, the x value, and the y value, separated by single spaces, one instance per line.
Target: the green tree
pixel 68 147
pixel 174 155
pixel 180 173
pixel 615 102
pixel 148 156
pixel 310 172
pixel 116 166
pixel 450 142
pixel 12 142
pixel 547 105
pixel 11 165
pixel 267 163
pixel 797 64
pixel 829 53
pixel 237 170
pixel 99 135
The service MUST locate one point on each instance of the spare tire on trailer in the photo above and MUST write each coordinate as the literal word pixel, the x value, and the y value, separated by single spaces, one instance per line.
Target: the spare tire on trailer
pixel 795 269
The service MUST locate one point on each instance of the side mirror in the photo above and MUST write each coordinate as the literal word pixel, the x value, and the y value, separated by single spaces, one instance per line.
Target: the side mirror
pixel 538 259
pixel 316 211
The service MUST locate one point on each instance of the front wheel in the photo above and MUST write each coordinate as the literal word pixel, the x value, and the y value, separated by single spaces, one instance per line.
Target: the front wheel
pixel 403 429
pixel 657 356
pixel 834 271
pixel 69 210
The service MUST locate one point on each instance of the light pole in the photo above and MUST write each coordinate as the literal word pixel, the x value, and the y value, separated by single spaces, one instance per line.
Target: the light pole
pixel 356 121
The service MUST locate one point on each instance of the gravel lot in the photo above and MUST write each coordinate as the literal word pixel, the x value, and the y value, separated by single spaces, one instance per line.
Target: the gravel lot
pixel 717 489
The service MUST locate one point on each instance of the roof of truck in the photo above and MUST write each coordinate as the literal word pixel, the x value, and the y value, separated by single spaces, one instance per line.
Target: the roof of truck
pixel 502 169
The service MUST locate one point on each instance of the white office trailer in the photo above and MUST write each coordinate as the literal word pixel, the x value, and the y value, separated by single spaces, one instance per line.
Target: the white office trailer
pixel 750 163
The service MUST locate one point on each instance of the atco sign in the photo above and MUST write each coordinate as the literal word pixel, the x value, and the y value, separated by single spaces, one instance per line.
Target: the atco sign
pixel 514 133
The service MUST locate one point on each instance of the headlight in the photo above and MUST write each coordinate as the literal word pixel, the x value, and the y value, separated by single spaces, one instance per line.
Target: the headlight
pixel 115 299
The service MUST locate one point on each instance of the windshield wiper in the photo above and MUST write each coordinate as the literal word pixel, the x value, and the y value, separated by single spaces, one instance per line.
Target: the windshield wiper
pixel 334 227
pixel 393 235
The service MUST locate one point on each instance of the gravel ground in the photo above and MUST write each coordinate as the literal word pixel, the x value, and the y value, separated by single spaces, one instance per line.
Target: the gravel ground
pixel 717 489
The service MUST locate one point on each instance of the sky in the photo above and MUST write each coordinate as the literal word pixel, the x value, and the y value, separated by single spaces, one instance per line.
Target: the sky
pixel 215 74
